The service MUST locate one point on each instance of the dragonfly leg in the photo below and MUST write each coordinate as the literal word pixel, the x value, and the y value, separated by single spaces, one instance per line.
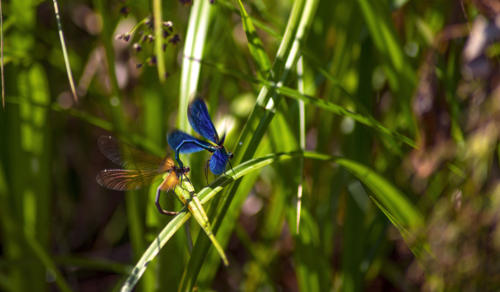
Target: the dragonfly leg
pixel 206 170
pixel 234 173
pixel 158 206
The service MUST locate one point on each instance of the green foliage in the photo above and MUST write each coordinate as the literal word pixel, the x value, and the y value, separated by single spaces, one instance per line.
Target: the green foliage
pixel 372 124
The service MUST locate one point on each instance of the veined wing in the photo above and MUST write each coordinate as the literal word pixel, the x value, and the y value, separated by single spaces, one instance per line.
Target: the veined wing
pixel 200 120
pixel 126 179
pixel 127 156
pixel 189 143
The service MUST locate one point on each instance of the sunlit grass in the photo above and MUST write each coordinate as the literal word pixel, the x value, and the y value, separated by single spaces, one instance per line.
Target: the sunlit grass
pixel 371 125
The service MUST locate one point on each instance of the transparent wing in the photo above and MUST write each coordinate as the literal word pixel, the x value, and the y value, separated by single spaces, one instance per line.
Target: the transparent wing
pixel 127 156
pixel 125 179
pixel 200 120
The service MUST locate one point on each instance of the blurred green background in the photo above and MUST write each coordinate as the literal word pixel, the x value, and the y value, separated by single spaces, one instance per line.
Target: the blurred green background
pixel 401 97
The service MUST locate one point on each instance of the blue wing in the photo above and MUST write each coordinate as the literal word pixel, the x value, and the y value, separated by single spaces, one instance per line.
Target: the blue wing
pixel 218 161
pixel 200 120
pixel 187 143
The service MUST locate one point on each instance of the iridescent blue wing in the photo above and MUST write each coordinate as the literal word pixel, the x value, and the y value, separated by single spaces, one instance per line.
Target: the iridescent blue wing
pixel 218 161
pixel 184 143
pixel 200 120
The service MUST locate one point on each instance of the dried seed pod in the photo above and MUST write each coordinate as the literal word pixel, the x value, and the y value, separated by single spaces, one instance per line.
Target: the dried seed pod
pixel 175 39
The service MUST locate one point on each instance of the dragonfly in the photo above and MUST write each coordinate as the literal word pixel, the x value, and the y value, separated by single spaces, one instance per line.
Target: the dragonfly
pixel 201 122
pixel 139 169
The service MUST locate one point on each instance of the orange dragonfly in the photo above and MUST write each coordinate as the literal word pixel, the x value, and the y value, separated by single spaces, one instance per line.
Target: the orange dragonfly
pixel 139 169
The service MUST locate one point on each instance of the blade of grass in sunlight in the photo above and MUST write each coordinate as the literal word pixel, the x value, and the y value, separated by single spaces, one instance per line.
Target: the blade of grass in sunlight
pixel 199 20
pixel 33 146
pixel 157 16
pixel 194 206
pixel 302 137
pixel 65 52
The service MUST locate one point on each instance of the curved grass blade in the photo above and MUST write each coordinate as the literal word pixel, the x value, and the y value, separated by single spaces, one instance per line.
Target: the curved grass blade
pixel 46 260
pixel 383 190
pixel 389 196
pixel 93 264
pixel 65 52
pixel 189 199
pixel 159 39
pixel 366 120
pixel 254 43
pixel 302 137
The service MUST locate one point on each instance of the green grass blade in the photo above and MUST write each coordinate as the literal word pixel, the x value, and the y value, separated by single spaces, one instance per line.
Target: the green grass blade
pixel 254 43
pixel 400 74
pixel 401 209
pixel 65 52
pixel 153 249
pixel 302 138
pixel 93 264
pixel 158 24
pixel 366 120
pixel 311 264
pixel 189 199
pixel 199 20
pixel 267 99
pixel 46 260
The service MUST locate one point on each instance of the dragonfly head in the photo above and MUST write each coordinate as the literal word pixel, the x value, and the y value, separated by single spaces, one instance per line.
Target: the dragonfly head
pixel 183 170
